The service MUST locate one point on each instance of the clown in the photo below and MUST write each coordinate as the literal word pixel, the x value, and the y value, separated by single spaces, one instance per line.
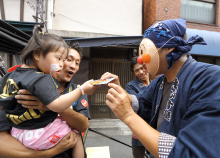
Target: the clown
pixel 163 37
pixel 181 107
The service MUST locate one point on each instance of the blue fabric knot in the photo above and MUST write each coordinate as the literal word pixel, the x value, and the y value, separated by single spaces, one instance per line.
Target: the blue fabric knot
pixel 182 48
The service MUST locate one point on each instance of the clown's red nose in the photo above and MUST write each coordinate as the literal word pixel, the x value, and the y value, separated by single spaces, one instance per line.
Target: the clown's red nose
pixel 140 60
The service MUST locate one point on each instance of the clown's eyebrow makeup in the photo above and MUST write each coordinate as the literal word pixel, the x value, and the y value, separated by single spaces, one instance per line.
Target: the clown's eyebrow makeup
pixel 142 45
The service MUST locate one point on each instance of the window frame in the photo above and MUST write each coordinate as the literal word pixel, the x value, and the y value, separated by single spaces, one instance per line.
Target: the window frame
pixel 207 1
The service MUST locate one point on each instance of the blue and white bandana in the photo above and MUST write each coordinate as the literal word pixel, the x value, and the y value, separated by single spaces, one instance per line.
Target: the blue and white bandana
pixel 169 34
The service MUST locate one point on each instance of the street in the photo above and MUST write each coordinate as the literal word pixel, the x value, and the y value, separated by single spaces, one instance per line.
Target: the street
pixel 117 150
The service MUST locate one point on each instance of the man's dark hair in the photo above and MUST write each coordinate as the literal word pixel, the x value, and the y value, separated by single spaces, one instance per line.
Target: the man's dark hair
pixel 77 48
pixel 133 62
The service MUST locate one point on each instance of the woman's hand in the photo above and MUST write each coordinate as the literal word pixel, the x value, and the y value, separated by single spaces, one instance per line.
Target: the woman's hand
pixel 109 75
pixel 29 101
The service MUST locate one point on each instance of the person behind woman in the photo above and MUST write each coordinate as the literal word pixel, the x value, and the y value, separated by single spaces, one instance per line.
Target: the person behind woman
pixel 134 87
pixel 39 129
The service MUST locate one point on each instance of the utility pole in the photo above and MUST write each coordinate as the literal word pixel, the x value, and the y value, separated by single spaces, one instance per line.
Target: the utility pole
pixel 38 7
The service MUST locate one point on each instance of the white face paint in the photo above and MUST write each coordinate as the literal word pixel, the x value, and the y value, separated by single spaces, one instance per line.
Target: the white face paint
pixel 150 56
pixel 54 67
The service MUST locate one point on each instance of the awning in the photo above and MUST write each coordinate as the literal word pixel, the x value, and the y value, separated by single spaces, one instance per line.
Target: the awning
pixel 211 38
pixel 23 25
pixel 12 40
pixel 108 41
pixel 211 49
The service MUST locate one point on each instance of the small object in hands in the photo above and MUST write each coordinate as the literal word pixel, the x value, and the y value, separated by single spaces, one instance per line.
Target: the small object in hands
pixel 78 86
pixel 99 82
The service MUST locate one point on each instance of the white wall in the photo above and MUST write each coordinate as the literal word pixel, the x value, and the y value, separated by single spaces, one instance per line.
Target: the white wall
pixel 119 17
pixel 12 11
pixel 49 9
pixel 28 12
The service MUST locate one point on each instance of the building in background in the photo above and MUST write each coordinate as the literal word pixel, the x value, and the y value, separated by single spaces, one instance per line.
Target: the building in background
pixel 110 32
pixel 202 16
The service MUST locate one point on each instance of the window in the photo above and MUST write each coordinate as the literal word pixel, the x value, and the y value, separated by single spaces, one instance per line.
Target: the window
pixel 200 11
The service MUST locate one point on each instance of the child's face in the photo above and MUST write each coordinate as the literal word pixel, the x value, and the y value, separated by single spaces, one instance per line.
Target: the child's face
pixel 57 57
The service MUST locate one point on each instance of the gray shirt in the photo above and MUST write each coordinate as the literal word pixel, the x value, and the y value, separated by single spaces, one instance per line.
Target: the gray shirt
pixel 166 93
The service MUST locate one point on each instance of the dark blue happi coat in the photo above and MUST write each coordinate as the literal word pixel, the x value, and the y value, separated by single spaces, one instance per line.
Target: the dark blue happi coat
pixel 192 112
pixel 135 86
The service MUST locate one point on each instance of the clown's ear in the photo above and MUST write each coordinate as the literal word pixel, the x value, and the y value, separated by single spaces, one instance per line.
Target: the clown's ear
pixel 171 50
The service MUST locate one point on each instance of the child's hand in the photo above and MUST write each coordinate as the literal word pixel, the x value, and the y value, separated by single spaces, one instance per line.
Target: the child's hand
pixel 88 88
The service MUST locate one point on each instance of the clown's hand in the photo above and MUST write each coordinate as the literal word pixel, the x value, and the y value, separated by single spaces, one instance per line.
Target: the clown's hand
pixel 110 75
pixel 119 102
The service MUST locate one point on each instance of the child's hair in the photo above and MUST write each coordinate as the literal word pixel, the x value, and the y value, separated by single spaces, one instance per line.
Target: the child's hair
pixel 43 42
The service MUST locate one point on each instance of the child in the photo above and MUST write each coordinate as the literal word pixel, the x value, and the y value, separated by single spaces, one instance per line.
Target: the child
pixel 38 129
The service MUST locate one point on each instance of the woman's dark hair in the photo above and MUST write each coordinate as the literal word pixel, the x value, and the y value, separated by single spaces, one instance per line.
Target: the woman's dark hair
pixel 43 42
pixel 76 46
pixel 133 62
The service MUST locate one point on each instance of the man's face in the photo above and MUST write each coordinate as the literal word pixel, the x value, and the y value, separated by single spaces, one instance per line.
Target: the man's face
pixel 140 72
pixel 70 67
